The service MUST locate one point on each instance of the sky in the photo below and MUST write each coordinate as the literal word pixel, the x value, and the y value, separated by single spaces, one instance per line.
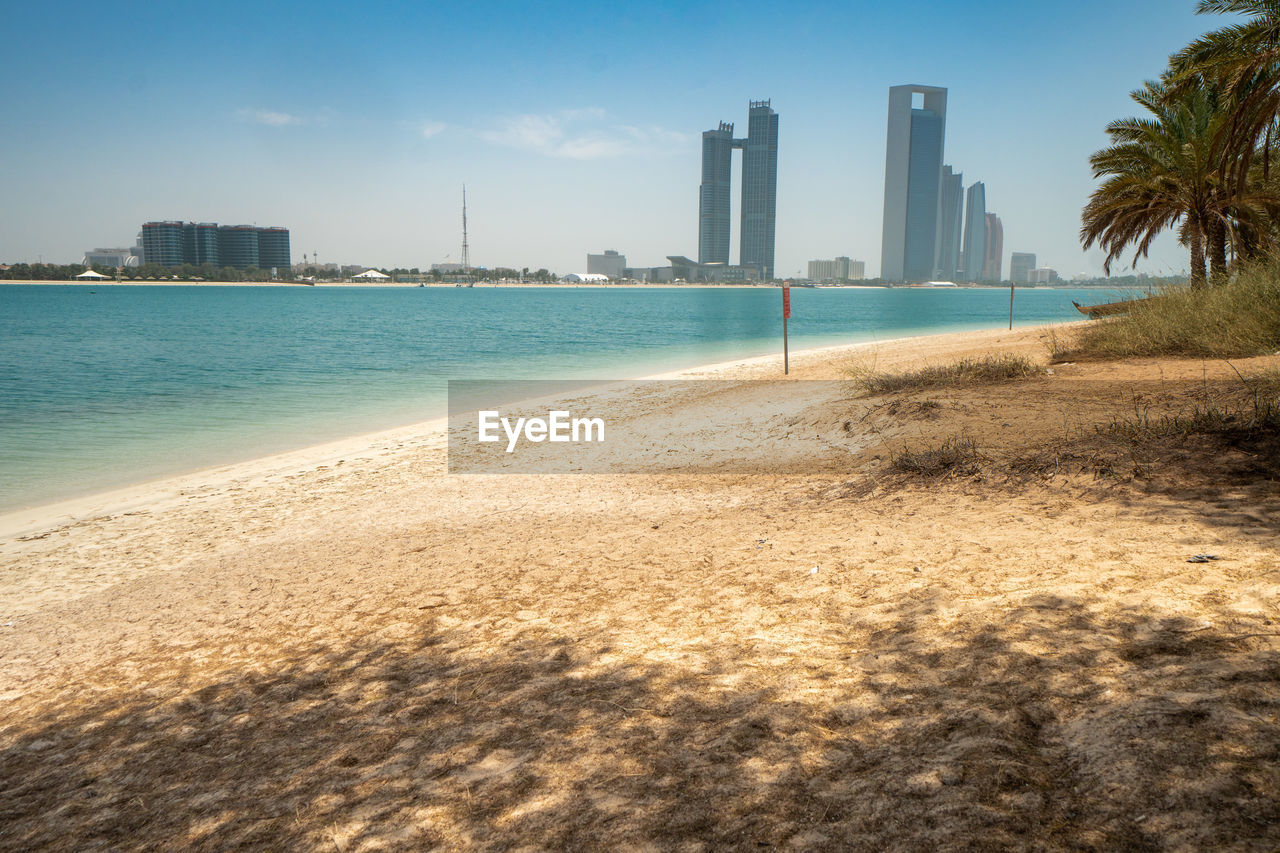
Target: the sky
pixel 576 127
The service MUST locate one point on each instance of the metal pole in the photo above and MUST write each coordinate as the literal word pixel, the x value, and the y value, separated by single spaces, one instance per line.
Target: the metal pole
pixel 786 315
pixel 1011 287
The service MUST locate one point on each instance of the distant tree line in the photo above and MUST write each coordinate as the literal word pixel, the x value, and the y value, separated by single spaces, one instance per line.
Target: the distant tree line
pixel 45 272
pixel 186 272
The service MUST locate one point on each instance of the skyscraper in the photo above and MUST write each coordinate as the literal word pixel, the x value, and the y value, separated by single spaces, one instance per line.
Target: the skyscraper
pixel 950 221
pixel 760 188
pixel 975 232
pixel 912 178
pixel 713 199
pixel 759 191
pixel 995 248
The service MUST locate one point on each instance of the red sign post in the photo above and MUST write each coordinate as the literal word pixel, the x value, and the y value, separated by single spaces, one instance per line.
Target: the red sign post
pixel 786 315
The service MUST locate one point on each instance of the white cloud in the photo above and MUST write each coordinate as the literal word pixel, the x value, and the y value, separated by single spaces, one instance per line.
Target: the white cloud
pixel 580 134
pixel 270 118
pixel 432 128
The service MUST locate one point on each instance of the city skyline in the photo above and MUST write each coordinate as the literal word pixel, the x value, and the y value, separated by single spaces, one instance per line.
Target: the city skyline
pixel 357 134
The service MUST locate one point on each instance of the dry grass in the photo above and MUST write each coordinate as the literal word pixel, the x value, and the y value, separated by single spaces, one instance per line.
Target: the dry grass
pixel 1236 320
pixel 1252 412
pixel 959 374
pixel 956 456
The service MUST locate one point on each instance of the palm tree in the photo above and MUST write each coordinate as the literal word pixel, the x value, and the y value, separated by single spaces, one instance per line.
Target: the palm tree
pixel 1160 172
pixel 1243 58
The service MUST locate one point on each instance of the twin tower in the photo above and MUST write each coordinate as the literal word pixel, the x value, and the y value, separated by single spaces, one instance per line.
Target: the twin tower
pixel 759 191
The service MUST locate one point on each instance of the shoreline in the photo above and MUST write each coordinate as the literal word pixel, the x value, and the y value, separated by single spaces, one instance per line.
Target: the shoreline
pixel 168 489
pixel 564 285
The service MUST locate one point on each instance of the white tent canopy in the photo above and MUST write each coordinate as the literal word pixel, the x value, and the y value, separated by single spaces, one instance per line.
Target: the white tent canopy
pixel 586 277
pixel 371 275
pixel 91 274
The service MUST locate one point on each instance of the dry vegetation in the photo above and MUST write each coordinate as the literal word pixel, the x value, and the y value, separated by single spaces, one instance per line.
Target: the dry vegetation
pixel 964 372
pixel 1235 320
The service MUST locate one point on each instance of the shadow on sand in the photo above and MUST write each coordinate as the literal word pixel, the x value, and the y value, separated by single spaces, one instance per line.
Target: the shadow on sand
pixel 1053 725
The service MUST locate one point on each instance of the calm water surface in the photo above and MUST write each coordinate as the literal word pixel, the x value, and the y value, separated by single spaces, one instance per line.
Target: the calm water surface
pixel 112 384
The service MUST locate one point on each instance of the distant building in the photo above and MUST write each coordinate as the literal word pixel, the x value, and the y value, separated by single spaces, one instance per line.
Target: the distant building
pixel 913 173
pixel 610 264
pixel 447 268
pixel 760 188
pixel 237 246
pixel 759 191
pixel 111 258
pixel 1020 266
pixel 162 243
pixel 273 249
pixel 839 269
pixel 660 275
pixel 995 248
pixel 1042 275
pixel 172 243
pixel 691 271
pixel 200 243
pixel 975 232
pixel 714 210
pixel 950 223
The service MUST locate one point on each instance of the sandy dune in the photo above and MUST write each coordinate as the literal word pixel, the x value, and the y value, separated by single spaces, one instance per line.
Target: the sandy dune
pixel 348 649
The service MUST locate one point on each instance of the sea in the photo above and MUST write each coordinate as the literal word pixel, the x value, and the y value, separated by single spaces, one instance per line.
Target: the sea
pixel 103 386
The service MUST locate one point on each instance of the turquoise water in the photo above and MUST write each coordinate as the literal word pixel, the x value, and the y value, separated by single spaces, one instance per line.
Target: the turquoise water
pixel 113 384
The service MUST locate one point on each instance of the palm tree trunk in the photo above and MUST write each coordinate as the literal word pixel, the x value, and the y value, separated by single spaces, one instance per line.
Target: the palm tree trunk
pixel 1197 259
pixel 1217 253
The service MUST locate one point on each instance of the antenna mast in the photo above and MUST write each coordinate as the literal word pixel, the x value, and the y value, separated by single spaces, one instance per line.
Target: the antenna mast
pixel 466 260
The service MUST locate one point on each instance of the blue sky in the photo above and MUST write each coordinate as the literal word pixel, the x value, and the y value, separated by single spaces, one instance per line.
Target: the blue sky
pixel 576 127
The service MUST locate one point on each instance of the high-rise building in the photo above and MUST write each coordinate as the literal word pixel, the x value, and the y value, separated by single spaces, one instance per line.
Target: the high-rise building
pixel 714 213
pixel 238 246
pixel 759 191
pixel 273 250
pixel 975 232
pixel 162 243
pixel 610 263
pixel 950 222
pixel 200 243
pixel 912 178
pixel 172 244
pixel 1020 266
pixel 760 188
pixel 995 248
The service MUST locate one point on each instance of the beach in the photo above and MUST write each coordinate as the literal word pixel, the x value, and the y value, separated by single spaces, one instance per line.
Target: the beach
pixel 345 647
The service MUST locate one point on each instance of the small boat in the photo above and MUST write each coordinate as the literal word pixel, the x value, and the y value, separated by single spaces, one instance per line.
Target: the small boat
pixel 1108 309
